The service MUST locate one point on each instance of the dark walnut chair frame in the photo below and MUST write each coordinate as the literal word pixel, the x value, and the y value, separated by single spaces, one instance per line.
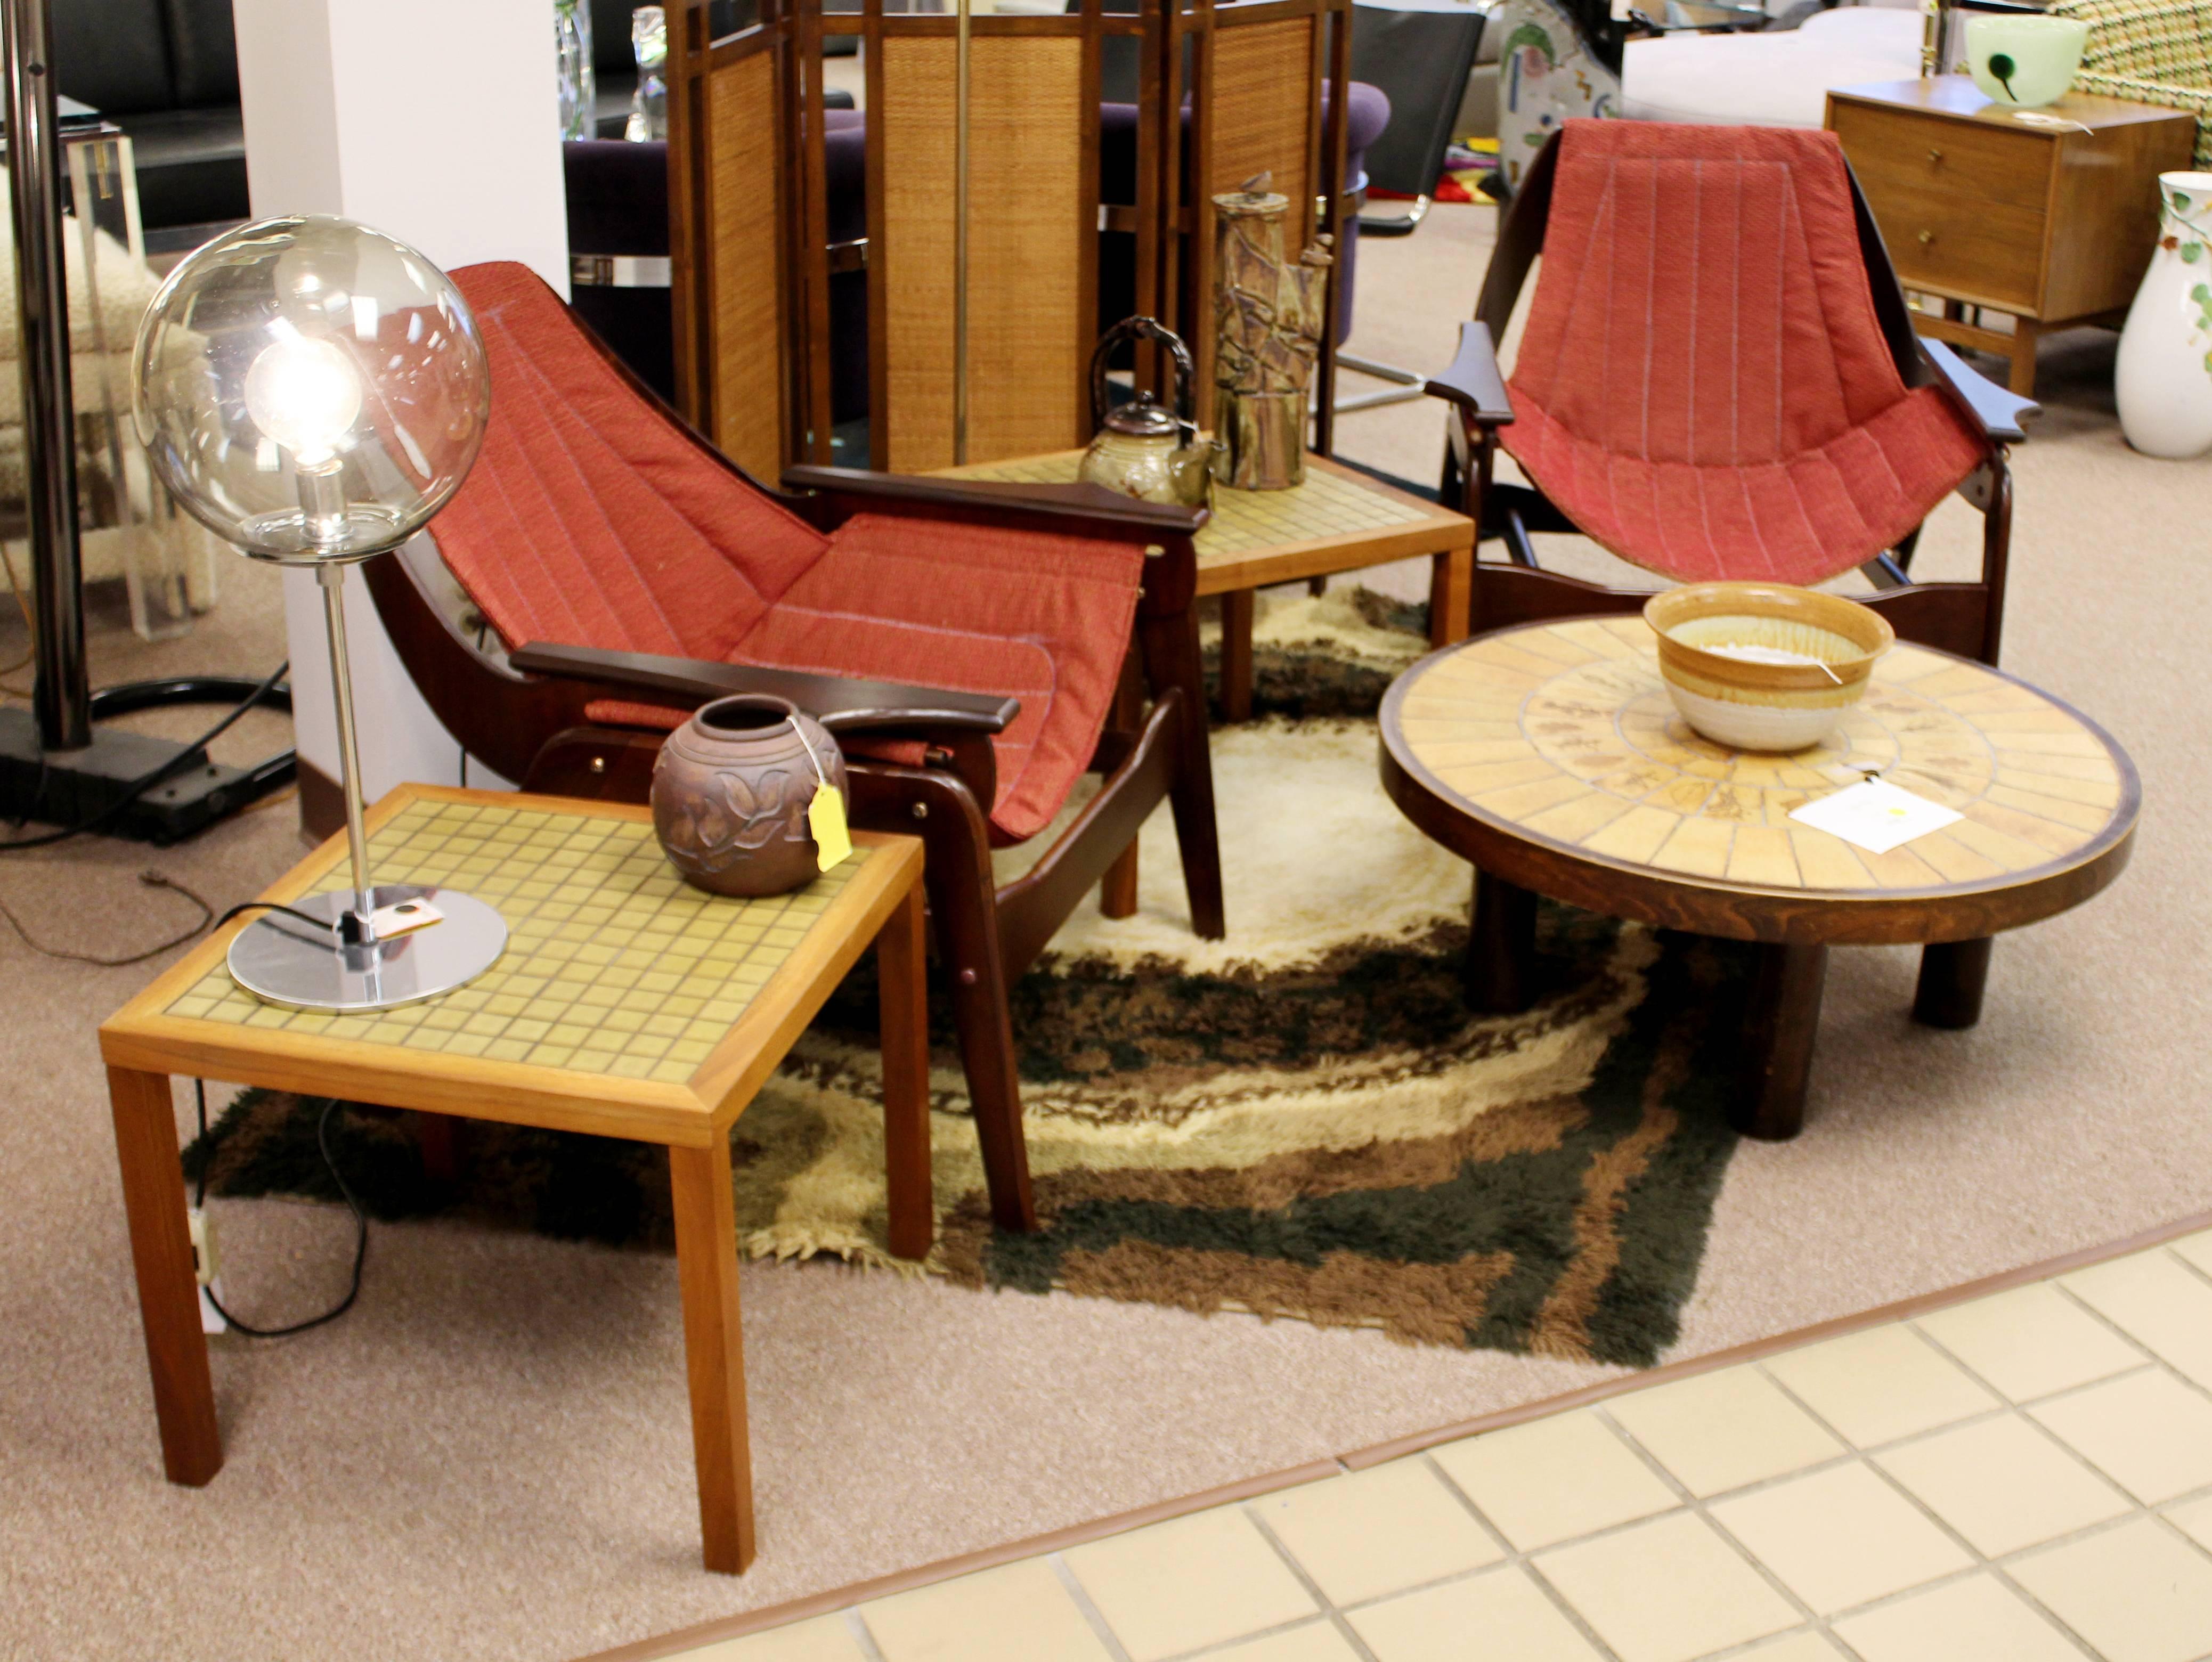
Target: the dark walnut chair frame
pixel 525 716
pixel 1966 618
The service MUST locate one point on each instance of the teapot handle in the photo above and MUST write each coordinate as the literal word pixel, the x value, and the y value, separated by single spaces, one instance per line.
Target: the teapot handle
pixel 1150 329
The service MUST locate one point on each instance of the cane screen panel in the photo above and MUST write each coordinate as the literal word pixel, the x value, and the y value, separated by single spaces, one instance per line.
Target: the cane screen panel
pixel 745 196
pixel 614 964
pixel 1248 522
pixel 1564 732
pixel 1260 119
pixel 1028 342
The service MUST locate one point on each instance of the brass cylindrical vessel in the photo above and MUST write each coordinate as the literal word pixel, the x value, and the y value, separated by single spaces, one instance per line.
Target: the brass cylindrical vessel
pixel 1268 314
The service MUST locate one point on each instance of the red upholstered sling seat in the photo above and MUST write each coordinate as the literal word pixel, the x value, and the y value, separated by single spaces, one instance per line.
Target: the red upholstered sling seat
pixel 1702 386
pixel 592 519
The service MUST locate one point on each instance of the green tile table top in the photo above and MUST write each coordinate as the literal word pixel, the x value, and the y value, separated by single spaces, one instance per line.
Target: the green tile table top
pixel 614 964
pixel 1327 507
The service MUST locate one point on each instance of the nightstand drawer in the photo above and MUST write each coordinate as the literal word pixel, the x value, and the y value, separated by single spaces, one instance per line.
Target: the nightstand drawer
pixel 1974 251
pixel 1973 164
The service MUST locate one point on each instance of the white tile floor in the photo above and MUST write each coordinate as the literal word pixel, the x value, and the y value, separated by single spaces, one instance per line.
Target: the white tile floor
pixel 2027 1478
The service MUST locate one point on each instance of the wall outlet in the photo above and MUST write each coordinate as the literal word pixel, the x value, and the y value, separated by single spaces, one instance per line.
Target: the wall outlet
pixel 203 1233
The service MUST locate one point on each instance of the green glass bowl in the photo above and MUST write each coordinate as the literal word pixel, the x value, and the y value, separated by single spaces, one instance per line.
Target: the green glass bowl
pixel 2025 61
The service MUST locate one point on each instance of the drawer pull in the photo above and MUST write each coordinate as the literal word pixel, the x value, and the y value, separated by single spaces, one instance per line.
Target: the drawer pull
pixel 1935 158
pixel 1927 237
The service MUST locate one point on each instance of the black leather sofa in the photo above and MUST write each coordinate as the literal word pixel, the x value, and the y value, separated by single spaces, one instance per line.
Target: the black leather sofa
pixel 166 71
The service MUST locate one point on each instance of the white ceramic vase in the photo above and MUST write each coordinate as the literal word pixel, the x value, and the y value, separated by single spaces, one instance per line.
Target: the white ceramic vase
pixel 2164 381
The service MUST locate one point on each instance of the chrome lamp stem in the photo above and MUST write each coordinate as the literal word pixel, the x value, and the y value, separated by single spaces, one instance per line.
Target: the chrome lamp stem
pixel 356 927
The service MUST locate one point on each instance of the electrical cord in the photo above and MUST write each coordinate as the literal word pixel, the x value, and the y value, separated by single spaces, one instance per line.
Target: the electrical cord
pixel 156 880
pixel 152 880
pixel 359 1217
pixel 145 782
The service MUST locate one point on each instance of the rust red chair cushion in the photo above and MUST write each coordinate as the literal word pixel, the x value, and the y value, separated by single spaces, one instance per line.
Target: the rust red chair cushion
pixel 590 517
pixel 1702 387
pixel 936 603
pixel 593 518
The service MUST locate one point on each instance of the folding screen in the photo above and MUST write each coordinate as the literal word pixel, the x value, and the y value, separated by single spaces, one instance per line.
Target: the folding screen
pixel 978 344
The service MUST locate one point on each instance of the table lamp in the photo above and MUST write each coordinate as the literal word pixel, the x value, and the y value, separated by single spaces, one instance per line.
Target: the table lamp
pixel 312 392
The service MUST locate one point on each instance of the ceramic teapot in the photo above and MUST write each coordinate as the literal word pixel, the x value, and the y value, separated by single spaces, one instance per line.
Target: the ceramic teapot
pixel 1143 449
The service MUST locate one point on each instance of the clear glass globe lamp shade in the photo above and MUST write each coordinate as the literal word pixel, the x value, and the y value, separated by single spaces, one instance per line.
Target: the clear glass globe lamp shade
pixel 310 390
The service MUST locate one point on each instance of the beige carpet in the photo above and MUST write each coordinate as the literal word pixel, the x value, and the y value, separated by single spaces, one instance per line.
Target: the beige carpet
pixel 489 1457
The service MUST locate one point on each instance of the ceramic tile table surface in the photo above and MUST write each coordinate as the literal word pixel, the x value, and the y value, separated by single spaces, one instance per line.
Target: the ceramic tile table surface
pixel 1552 757
pixel 2022 1476
pixel 1338 521
pixel 626 1004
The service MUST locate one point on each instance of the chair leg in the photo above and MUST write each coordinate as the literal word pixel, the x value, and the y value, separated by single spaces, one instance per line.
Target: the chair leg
pixel 1171 644
pixel 963 910
pixel 1997 552
pixel 1117 893
pixel 965 906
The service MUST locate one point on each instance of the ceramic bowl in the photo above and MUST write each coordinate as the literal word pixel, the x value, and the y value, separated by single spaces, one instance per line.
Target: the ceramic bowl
pixel 2025 61
pixel 1760 666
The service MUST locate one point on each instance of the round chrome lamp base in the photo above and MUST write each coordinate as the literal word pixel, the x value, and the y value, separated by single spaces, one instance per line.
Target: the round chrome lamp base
pixel 282 961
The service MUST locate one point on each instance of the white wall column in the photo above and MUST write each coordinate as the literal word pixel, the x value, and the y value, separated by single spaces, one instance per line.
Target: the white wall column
pixel 437 122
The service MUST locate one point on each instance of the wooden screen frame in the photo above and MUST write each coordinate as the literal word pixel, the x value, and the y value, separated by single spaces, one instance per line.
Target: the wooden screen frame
pixel 694 59
pixel 1209 27
pixel 1172 222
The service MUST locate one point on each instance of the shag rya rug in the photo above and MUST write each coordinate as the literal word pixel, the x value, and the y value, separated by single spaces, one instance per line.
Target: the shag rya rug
pixel 1302 1121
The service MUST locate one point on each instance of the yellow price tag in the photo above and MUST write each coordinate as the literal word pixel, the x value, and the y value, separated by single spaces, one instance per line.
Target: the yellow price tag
pixel 825 819
pixel 825 815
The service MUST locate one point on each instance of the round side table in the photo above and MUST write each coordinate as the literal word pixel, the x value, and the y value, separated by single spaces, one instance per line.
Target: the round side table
pixel 1550 756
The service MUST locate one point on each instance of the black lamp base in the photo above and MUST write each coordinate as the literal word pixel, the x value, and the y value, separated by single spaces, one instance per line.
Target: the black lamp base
pixel 72 786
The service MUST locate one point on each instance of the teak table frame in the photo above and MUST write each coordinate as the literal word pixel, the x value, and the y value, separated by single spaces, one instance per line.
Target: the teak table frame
pixel 143 1045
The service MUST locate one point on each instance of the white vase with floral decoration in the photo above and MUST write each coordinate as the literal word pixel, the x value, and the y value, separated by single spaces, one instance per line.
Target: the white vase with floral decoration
pixel 2165 376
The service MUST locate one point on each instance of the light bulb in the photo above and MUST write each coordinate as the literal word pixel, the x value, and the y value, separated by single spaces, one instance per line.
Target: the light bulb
pixel 305 395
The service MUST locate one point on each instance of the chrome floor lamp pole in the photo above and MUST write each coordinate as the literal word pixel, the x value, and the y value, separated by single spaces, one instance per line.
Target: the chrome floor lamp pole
pixel 55 765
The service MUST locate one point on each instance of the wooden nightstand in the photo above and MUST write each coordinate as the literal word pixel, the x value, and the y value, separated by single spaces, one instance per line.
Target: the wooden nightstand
pixel 2052 224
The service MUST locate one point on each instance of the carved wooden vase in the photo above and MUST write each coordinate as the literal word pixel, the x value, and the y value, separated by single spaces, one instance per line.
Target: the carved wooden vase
pixel 730 794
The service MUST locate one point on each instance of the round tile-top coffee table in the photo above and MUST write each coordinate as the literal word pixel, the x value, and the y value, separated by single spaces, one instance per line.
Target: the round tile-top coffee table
pixel 1550 756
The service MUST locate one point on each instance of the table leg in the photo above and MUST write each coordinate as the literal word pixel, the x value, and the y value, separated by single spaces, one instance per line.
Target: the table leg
pixel 1237 655
pixel 707 1268
pixel 904 993
pixel 1451 595
pixel 1952 975
pixel 1501 948
pixel 2026 332
pixel 435 1137
pixel 1785 1015
pixel 168 1293
pixel 1117 890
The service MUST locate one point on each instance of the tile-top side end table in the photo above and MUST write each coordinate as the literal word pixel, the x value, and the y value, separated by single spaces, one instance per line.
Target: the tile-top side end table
pixel 1550 755
pixel 628 1004
pixel 1338 521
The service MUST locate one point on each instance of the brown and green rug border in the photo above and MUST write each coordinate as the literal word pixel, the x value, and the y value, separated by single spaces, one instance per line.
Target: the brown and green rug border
pixel 1075 1535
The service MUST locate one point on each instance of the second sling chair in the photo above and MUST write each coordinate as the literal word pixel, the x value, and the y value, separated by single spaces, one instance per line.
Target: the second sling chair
pixel 968 644
pixel 1718 379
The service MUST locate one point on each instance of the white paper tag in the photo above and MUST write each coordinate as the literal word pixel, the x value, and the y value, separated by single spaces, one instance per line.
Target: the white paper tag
pixel 404 918
pixel 1876 815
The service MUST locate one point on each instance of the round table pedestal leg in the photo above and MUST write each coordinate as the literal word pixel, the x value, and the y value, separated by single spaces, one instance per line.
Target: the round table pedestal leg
pixel 1953 974
pixel 1501 950
pixel 1785 1015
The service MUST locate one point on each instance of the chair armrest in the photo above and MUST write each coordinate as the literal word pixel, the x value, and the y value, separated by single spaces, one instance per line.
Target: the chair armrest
pixel 1078 508
pixel 1996 411
pixel 1473 382
pixel 840 705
